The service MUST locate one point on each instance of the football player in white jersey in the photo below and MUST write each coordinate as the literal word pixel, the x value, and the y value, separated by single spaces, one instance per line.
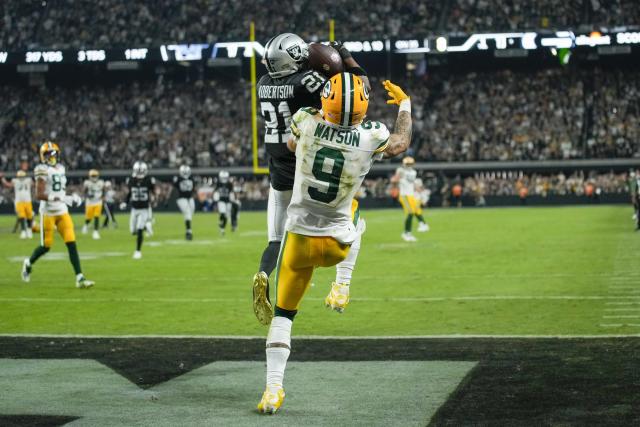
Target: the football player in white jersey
pixel 93 190
pixel 22 185
pixel 334 151
pixel 51 182
pixel 405 177
pixel 185 186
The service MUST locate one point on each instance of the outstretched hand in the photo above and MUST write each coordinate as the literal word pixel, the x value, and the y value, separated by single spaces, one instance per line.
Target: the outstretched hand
pixel 396 94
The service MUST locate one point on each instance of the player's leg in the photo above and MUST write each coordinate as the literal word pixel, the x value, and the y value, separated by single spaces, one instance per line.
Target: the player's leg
pixel 22 219
pixel 29 218
pixel 234 215
pixel 293 276
pixel 140 221
pixel 87 218
pixel 276 218
pixel 338 297
pixel 417 209
pixel 148 225
pixel 183 205
pixel 96 213
pixel 64 224
pixel 222 220
pixel 47 223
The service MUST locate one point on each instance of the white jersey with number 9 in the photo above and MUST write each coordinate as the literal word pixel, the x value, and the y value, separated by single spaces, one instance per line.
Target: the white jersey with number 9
pixel 331 163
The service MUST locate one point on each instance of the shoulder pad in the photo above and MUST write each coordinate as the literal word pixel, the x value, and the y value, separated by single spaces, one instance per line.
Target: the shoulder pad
pixel 41 170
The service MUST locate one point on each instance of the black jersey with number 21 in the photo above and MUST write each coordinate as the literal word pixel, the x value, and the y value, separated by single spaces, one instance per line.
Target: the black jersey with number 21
pixel 279 100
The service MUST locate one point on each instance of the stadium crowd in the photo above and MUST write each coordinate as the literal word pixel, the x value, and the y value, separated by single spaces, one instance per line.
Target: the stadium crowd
pixel 546 114
pixel 110 23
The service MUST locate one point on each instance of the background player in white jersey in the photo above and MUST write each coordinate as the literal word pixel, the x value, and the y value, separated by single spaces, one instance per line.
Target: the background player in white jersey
pixel 22 185
pixel 224 196
pixel 405 177
pixel 289 86
pixel 334 151
pixel 109 205
pixel 141 190
pixel 51 182
pixel 93 192
pixel 185 187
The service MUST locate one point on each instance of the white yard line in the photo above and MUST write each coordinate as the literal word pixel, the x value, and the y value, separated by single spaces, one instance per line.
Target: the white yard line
pixel 623 303
pixel 623 309
pixel 622 316
pixel 618 325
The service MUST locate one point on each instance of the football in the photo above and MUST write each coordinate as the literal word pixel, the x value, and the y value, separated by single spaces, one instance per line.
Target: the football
pixel 325 59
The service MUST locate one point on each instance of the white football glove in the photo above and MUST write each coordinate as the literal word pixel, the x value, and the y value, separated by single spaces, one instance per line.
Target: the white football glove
pixel 123 206
pixel 73 200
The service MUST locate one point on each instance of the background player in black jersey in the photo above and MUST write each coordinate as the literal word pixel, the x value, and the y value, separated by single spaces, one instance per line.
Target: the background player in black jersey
pixel 185 186
pixel 289 85
pixel 224 195
pixel 141 190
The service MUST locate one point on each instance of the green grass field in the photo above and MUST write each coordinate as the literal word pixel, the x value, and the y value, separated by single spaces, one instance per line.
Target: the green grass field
pixel 512 271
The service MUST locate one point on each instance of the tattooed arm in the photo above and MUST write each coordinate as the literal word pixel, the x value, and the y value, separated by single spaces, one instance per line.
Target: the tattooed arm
pixel 400 139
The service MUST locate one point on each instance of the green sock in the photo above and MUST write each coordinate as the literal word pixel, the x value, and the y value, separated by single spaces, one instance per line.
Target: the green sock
pixel 37 253
pixel 420 218
pixel 73 257
pixel 407 224
pixel 96 223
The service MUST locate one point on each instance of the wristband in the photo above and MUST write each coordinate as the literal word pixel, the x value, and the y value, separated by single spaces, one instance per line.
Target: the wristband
pixel 405 105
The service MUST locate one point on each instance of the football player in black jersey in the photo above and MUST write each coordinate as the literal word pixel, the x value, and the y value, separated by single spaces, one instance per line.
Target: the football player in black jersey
pixel 141 190
pixel 289 85
pixel 224 195
pixel 184 186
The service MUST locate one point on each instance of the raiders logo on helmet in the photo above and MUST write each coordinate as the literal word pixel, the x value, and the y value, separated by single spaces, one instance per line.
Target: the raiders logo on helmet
pixel 295 52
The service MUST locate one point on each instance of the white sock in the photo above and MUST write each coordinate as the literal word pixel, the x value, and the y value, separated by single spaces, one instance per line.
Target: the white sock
pixel 344 270
pixel 79 276
pixel 278 349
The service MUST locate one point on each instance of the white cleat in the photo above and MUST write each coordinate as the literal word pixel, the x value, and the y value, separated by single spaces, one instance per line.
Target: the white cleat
pixel 338 297
pixel 26 270
pixel 29 233
pixel 85 229
pixel 137 255
pixel 423 227
pixel 408 237
pixel 83 283
pixel 95 235
pixel 634 217
pixel 23 234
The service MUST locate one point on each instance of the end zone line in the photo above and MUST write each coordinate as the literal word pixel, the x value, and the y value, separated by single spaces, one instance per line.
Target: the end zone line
pixel 334 337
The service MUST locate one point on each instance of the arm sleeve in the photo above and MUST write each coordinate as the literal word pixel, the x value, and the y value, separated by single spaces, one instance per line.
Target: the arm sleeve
pixel 381 136
pixel 40 172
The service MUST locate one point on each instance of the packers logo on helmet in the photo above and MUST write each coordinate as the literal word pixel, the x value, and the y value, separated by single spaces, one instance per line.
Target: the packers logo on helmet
pixel 49 153
pixel 344 100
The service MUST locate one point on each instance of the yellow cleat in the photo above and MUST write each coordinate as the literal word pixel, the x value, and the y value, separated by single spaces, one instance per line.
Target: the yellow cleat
pixel 338 297
pixel 261 304
pixel 272 399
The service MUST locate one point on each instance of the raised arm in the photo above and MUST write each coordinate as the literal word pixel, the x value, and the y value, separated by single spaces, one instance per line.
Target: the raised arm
pixel 350 64
pixel 400 139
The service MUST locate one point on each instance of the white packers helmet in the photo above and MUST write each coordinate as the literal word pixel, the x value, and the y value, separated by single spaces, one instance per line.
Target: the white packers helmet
pixel 285 54
pixel 185 171
pixel 223 176
pixel 140 169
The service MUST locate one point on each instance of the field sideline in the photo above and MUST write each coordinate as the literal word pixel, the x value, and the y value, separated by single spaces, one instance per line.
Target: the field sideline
pixel 524 271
